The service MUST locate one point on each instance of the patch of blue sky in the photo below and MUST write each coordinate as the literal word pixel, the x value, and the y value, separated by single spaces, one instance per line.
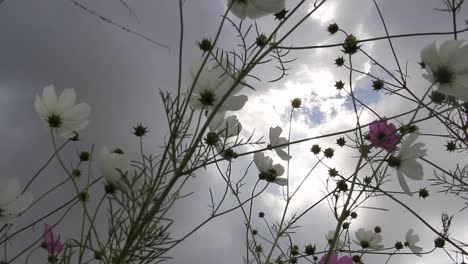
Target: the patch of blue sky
pixel 315 116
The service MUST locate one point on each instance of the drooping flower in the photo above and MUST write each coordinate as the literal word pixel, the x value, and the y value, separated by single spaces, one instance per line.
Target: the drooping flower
pixel 447 66
pixel 115 168
pixel 268 171
pixel 211 86
pixel 334 259
pixel 329 237
pixel 225 127
pixel 276 140
pixel 12 202
pixel 406 163
pixel 368 239
pixel 61 114
pixel 383 135
pixel 411 240
pixel 51 242
pixel 255 8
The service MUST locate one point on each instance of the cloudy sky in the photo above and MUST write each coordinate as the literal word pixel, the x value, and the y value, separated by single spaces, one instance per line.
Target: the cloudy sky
pixel 120 75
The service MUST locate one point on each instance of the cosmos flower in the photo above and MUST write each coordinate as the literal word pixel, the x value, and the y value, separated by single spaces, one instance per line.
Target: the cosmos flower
pixel 368 239
pixel 255 8
pixel 225 127
pixel 334 259
pixel 276 140
pixel 212 85
pixel 12 202
pixel 406 163
pixel 447 66
pixel 383 135
pixel 61 114
pixel 268 171
pixel 114 166
pixel 410 242
pixel 51 241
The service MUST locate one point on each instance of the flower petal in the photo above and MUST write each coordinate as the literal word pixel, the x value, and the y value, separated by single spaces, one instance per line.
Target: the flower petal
pixel 403 184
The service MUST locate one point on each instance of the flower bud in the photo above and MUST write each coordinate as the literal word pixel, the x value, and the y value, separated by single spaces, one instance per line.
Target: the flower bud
pixel 329 152
pixel 451 146
pixel 315 149
pixel 76 173
pixel 342 186
pixel 377 84
pixel 140 130
pixel 350 45
pixel 340 141
pixel 423 193
pixel 261 41
pixel 296 102
pixel 439 242
pixel 84 156
pixel 377 229
pixel 333 28
pixel 398 245
pixel 339 62
pixel 332 172
pixel 339 85
pixel 205 45
pixel 309 250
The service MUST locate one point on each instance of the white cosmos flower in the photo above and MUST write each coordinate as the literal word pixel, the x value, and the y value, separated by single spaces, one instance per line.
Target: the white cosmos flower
pixel 225 127
pixel 12 202
pixel 406 162
pixel 61 114
pixel 329 237
pixel 276 140
pixel 448 67
pixel 255 8
pixel 212 85
pixel 114 165
pixel 368 239
pixel 268 171
pixel 410 242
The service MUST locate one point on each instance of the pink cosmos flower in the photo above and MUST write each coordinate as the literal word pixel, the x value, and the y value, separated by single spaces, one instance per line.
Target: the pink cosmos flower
pixel 51 243
pixel 383 135
pixel 335 260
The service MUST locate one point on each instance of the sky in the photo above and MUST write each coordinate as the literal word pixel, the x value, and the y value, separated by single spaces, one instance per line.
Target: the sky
pixel 120 75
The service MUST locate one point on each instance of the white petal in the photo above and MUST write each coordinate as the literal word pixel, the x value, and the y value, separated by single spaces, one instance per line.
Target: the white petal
pixel 66 99
pixel 448 50
pixel 49 98
pixel 235 103
pixel 461 87
pixel 412 169
pixel 269 6
pixel 77 112
pixel 274 134
pixel 40 108
pixel 20 204
pixel 259 160
pixel 429 55
pixel 9 191
pixel 281 181
pixel 282 154
pixel 216 122
pixel 403 184
pixel 279 169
